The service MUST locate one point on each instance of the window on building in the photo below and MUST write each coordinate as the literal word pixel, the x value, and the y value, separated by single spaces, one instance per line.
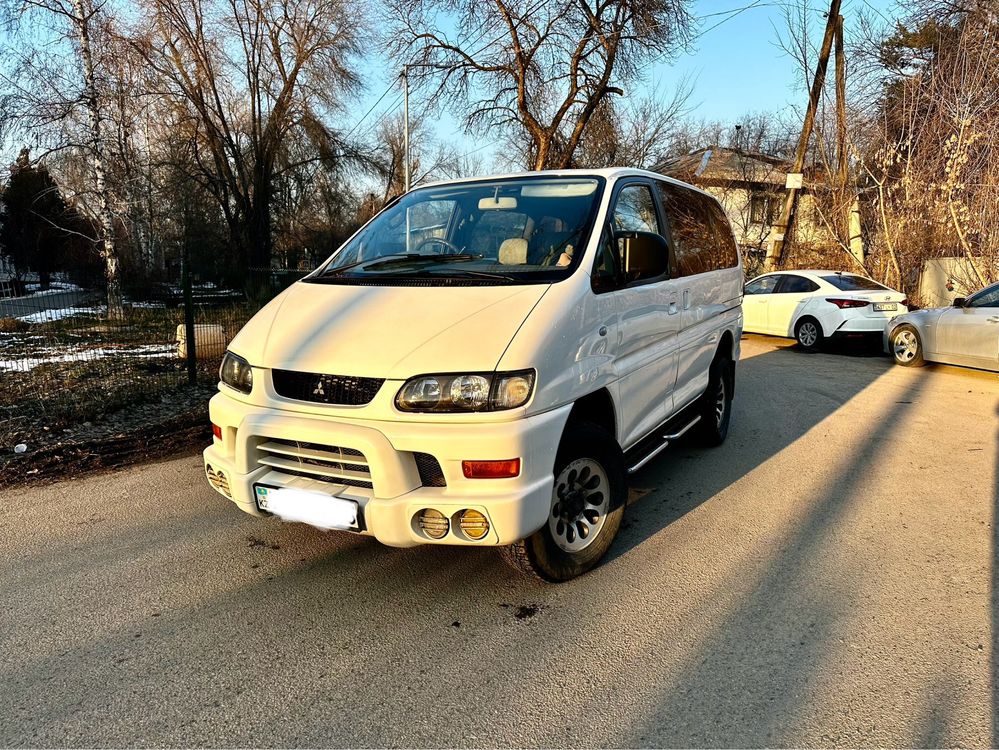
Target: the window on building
pixel 762 209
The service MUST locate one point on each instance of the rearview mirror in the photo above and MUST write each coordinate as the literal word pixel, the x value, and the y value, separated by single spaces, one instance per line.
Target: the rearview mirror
pixel 644 255
pixel 498 203
pixel 960 302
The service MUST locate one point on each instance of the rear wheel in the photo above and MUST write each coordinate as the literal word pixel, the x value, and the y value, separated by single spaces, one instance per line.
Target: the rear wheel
pixel 587 506
pixel 906 347
pixel 716 403
pixel 808 333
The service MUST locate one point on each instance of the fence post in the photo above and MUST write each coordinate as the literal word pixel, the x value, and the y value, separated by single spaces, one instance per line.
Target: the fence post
pixel 192 355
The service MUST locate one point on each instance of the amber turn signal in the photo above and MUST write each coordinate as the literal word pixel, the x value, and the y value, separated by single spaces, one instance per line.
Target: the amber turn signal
pixel 491 469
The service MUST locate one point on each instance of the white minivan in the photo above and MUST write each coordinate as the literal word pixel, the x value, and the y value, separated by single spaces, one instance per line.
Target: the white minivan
pixel 484 362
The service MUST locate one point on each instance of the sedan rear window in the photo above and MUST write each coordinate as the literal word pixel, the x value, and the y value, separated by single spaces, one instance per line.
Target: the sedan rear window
pixel 848 282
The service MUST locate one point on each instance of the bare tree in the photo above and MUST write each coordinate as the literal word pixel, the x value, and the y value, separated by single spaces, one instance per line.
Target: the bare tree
pixel 40 99
pixel 539 68
pixel 932 154
pixel 242 77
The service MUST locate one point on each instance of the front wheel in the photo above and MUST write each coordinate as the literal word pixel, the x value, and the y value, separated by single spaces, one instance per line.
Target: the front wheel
pixel 587 506
pixel 906 347
pixel 808 333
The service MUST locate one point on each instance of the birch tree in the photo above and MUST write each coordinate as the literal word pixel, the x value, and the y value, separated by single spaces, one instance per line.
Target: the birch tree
pixel 41 97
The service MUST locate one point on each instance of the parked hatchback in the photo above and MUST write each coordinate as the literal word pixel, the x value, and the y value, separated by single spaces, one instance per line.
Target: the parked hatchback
pixel 813 306
pixel 483 364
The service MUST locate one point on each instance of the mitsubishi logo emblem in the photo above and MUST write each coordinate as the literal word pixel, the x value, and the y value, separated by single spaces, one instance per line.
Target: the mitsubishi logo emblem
pixel 318 390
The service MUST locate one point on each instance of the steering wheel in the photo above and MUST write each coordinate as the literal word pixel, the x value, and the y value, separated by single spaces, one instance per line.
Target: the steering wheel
pixel 447 246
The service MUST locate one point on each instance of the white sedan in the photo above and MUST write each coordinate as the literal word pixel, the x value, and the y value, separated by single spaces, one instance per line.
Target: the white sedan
pixel 966 333
pixel 812 306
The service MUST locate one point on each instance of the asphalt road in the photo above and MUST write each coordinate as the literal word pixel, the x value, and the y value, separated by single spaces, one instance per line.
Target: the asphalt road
pixel 824 578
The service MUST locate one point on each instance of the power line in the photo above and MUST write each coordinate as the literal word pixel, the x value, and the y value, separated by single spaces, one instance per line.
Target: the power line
pixel 370 110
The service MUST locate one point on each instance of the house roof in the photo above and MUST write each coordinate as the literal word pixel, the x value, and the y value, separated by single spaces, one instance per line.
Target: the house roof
pixel 726 164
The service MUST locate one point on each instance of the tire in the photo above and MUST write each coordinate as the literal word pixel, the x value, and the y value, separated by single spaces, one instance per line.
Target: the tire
pixel 716 403
pixel 808 333
pixel 558 551
pixel 906 346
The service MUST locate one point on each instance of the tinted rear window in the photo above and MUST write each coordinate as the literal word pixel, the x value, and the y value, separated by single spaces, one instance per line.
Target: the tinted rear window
pixel 849 283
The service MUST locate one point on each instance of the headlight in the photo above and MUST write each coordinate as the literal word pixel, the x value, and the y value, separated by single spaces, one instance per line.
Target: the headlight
pixel 474 392
pixel 236 373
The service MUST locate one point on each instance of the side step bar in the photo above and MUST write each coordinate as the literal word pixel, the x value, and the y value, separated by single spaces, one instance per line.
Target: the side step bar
pixel 667 439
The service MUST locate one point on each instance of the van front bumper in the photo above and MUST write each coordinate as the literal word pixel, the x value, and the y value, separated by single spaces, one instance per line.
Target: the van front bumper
pixel 515 508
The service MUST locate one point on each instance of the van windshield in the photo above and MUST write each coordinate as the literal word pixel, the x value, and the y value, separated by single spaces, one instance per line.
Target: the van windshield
pixel 516 230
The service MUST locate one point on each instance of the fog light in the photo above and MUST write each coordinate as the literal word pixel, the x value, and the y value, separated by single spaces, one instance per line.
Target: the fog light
pixel 473 524
pixel 434 523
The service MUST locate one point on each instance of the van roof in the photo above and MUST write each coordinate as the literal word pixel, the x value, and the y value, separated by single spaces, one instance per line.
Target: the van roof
pixel 609 173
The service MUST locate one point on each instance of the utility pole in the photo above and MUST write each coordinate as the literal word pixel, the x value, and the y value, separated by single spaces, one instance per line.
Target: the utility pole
pixel 405 147
pixel 775 255
pixel 841 152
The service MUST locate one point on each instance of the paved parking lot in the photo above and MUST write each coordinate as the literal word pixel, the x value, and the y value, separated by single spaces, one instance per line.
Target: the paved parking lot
pixel 824 578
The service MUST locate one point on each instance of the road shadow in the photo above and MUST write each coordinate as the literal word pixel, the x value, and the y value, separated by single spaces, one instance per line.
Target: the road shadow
pixel 685 476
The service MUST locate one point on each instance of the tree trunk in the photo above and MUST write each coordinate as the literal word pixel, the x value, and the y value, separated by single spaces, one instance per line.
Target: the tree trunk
pixel 106 234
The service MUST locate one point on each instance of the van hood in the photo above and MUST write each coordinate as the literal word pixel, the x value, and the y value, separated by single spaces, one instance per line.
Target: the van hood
pixel 392 332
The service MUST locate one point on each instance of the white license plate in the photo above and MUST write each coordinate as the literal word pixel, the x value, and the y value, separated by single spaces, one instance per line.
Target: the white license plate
pixel 885 306
pixel 304 506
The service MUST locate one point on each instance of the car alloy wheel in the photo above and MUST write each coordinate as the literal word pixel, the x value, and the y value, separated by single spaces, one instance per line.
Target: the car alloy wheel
pixel 580 503
pixel 905 346
pixel 808 334
pixel 721 403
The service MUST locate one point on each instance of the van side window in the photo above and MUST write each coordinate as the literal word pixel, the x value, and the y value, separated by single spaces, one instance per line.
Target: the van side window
pixel 701 236
pixel 635 210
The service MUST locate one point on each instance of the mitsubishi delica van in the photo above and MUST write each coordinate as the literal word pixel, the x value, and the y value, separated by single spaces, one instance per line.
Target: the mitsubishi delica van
pixel 485 362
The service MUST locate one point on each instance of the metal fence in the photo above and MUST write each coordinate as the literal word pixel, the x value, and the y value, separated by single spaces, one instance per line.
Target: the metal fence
pixel 64 362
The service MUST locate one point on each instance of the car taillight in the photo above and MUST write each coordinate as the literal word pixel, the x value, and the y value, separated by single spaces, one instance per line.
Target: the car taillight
pixel 905 302
pixel 844 304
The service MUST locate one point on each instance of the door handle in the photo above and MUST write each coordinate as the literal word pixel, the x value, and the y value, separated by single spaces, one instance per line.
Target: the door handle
pixel 673 308
pixel 686 299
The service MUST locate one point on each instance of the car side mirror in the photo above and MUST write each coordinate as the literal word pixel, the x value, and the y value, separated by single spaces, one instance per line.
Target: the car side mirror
pixel 644 255
pixel 961 302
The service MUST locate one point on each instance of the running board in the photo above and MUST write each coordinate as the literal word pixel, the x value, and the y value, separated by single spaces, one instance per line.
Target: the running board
pixel 667 439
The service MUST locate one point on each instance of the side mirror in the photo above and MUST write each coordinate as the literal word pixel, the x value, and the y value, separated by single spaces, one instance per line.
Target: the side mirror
pixel 961 302
pixel 644 255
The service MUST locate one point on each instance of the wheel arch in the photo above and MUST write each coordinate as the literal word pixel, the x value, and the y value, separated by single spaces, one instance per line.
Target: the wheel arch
pixel 806 315
pixel 596 408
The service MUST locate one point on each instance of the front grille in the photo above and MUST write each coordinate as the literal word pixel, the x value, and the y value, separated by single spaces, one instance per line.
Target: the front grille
pixel 327 463
pixel 431 474
pixel 343 390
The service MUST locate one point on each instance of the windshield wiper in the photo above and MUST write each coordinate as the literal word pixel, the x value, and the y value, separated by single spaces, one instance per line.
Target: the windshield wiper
pixel 479 275
pixel 398 259
pixel 404 258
